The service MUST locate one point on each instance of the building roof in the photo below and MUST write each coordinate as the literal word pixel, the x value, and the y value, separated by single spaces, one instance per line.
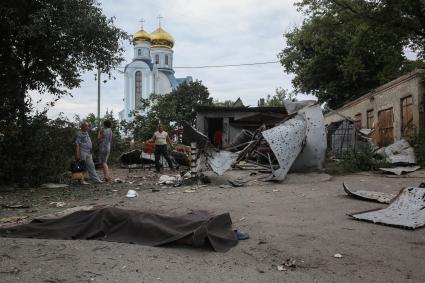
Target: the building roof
pixel 379 89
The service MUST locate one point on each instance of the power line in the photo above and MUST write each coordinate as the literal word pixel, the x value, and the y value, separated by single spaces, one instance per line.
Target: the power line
pixel 216 66
pixel 229 65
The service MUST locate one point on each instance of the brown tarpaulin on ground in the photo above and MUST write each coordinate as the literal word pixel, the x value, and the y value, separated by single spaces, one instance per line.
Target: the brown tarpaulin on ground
pixel 130 226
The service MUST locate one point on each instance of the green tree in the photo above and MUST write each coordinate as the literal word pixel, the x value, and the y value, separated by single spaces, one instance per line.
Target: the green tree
pixel 168 109
pixel 406 18
pixel 277 99
pixel 46 44
pixel 338 56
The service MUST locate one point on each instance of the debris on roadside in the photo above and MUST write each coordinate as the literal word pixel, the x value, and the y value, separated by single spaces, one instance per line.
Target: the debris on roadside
pixel 369 195
pixel 406 210
pixel 400 170
pixel 132 194
pixel 398 152
pixel 16 206
pixel 6 221
pixel 54 186
pixel 57 203
pixel 175 181
pixel 338 256
pixel 191 190
pixel 235 183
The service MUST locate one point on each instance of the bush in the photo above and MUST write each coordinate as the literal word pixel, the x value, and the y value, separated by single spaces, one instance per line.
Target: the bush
pixel 42 150
pixel 38 152
pixel 418 144
pixel 361 159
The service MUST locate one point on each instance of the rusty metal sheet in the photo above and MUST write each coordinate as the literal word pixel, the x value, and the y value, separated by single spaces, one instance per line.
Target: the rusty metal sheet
pixel 286 141
pixel 406 210
pixel 313 154
pixel 369 195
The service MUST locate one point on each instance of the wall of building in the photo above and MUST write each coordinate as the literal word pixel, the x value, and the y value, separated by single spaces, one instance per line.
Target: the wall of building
pixel 384 97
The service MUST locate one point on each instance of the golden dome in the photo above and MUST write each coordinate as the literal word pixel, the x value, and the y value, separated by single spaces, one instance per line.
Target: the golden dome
pixel 141 35
pixel 161 38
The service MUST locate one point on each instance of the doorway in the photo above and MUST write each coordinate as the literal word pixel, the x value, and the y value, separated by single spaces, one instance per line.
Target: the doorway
pixel 214 124
pixel 386 127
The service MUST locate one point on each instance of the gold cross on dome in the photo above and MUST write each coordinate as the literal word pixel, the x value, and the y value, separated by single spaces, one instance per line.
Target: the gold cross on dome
pixel 159 20
pixel 141 23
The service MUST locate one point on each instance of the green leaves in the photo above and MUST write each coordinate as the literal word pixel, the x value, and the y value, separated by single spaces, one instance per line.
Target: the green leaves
pixel 339 53
pixel 46 44
pixel 169 109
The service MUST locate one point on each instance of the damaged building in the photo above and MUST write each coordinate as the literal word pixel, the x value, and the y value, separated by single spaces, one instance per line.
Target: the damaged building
pixel 394 110
pixel 232 120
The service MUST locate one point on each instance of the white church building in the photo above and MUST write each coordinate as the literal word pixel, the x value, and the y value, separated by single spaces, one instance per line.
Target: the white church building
pixel 150 71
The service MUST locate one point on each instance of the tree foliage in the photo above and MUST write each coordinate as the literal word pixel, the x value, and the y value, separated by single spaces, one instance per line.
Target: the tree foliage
pixel 168 109
pixel 337 55
pixel 277 99
pixel 46 44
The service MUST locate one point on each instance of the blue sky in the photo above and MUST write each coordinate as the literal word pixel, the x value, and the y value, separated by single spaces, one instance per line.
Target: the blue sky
pixel 206 33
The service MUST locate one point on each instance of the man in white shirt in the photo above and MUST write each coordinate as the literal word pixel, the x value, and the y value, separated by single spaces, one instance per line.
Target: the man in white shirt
pixel 161 138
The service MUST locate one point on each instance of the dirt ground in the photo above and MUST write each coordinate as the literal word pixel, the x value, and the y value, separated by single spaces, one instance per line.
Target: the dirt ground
pixel 304 218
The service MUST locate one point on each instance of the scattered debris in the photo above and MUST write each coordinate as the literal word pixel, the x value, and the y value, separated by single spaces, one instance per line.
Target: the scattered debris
pixel 398 152
pixel 170 180
pixel 131 194
pixel 241 236
pixel 57 203
pixel 154 190
pixel 400 170
pixel 191 190
pixel 290 262
pixel 221 161
pixel 119 180
pixel 13 220
pixel 338 256
pixel 54 186
pixel 235 183
pixel 16 206
pixel 405 211
pixel 281 268
pixel 242 219
pixel 225 186
pixel 370 195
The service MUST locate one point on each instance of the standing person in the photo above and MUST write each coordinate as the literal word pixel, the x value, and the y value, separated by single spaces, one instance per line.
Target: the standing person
pixel 218 136
pixel 161 138
pixel 105 138
pixel 83 148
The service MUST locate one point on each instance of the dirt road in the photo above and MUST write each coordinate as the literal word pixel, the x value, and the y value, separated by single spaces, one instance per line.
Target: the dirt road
pixel 304 218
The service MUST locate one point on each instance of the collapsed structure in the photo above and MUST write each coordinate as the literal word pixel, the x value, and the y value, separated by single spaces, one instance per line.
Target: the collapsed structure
pixel 296 142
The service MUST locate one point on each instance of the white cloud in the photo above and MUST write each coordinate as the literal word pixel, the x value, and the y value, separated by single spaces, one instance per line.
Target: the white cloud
pixel 206 33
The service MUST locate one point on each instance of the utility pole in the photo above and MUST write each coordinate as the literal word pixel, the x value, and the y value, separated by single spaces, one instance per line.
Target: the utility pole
pixel 98 96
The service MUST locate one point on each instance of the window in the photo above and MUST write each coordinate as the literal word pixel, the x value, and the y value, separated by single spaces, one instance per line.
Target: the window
pixel 139 52
pixel 138 90
pixel 157 59
pixel 358 121
pixel 369 121
pixel 166 60
pixel 406 114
